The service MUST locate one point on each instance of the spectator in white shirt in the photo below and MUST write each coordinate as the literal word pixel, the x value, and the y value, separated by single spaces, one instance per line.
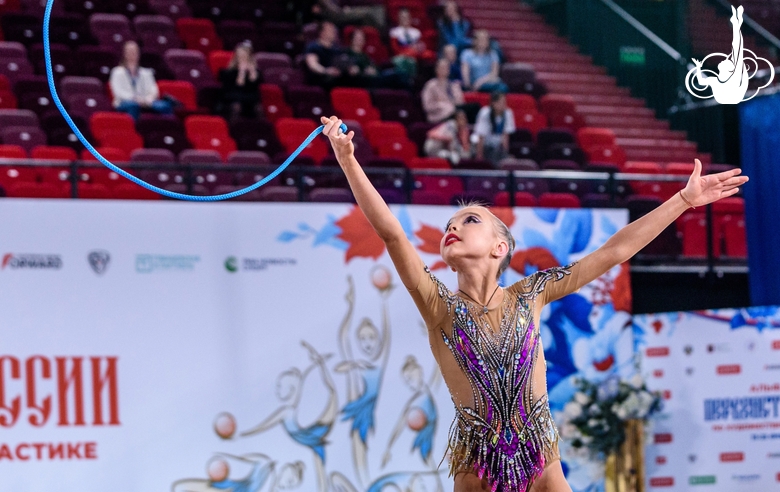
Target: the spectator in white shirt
pixel 494 125
pixel 133 87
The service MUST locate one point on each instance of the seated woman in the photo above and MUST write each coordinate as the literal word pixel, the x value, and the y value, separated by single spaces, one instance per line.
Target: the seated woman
pixel 480 66
pixel 450 140
pixel 240 83
pixel 134 87
pixel 440 95
pixel 361 71
pixel 406 40
pixel 453 28
pixel 494 125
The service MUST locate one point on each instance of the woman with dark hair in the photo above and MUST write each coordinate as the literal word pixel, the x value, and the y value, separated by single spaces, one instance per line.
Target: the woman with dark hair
pixel 134 87
pixel 453 28
pixel 494 125
pixel 450 140
pixel 240 82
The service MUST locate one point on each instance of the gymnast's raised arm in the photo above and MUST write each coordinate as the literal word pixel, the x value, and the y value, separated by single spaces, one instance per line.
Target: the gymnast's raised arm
pixel 405 258
pixel 629 240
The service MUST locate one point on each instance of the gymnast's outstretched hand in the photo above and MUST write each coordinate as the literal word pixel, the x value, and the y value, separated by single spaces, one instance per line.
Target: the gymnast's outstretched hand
pixel 342 143
pixel 702 190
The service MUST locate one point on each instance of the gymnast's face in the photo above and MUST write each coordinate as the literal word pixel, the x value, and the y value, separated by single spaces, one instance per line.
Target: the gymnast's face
pixel 470 236
pixel 368 338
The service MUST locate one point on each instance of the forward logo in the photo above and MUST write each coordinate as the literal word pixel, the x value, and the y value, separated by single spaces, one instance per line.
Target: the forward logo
pixel 98 260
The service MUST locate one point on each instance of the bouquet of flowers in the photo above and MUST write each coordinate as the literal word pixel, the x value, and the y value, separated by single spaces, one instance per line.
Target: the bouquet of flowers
pixel 595 416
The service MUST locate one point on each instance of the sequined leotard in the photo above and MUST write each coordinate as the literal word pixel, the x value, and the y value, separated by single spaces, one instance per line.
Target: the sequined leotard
pixel 502 434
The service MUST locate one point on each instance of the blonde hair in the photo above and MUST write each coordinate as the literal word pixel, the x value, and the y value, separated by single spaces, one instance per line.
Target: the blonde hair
pixel 501 229
pixel 245 46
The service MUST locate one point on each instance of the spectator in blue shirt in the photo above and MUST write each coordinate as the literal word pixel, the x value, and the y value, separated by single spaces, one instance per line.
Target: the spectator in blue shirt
pixel 480 65
pixel 453 28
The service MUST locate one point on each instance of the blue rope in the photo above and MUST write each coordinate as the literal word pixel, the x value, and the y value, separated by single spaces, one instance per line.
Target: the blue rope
pixel 169 194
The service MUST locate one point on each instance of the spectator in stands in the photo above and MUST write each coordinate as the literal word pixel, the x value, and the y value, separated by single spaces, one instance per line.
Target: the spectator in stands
pixel 322 57
pixel 134 87
pixel 494 125
pixel 240 82
pixel 450 53
pixel 363 15
pixel 480 66
pixel 440 95
pixel 453 28
pixel 363 72
pixel 450 139
pixel 406 40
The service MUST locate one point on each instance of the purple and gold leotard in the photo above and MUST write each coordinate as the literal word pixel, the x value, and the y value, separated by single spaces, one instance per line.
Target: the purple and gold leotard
pixel 506 436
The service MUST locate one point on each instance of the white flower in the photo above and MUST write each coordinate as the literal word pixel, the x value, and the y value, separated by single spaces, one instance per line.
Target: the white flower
pixel 586 439
pixel 593 422
pixel 636 381
pixel 572 409
pixel 622 412
pixel 581 398
pixel 594 409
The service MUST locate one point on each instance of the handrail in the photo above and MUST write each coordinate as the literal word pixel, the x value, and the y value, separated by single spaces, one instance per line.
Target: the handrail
pixel 753 25
pixel 663 45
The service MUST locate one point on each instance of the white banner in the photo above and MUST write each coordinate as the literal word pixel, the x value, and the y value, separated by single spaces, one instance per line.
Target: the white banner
pixel 720 374
pixel 246 347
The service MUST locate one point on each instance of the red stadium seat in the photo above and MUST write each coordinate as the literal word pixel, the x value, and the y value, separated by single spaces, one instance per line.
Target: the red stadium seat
pixel 55 153
pixel 644 187
pixel 225 145
pixel 428 163
pixel 522 199
pixel 403 149
pixel 559 200
pixel 557 103
pixel 521 103
pixel 589 137
pixel 38 190
pixel 532 120
pixel 182 90
pixel 293 131
pixel 198 34
pixel 219 59
pixel 131 191
pixel 93 191
pixel 354 104
pixel 198 126
pixel 111 154
pixel 694 236
pixel 103 122
pixel 121 139
pixel 608 154
pixel 481 98
pixel 7 100
pixel 274 104
pixel 734 235
pixel 379 131
pixel 13 152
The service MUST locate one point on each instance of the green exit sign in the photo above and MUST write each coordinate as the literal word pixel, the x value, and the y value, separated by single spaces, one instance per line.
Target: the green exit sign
pixel 632 55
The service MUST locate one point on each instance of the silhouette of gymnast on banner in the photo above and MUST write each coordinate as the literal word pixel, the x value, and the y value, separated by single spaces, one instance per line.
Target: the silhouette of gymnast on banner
pixel 730 84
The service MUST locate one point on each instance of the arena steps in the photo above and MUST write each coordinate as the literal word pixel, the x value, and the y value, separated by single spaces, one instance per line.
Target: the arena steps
pixel 526 37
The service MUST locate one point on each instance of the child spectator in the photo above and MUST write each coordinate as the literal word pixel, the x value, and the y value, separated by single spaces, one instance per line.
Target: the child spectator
pixel 406 40
pixel 450 139
pixel 494 125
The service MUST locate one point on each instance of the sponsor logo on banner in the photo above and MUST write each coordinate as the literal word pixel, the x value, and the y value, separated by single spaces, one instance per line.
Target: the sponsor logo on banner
pixel 732 457
pixel 667 394
pixel 657 351
pixel 765 388
pixel 662 482
pixel 718 347
pixel 658 373
pixel 660 460
pixel 689 371
pixel 662 437
pixel 741 408
pixel 728 369
pixel 233 264
pixel 692 458
pixel 746 478
pixel 775 344
pixel 146 263
pixel 98 260
pixel 688 350
pixel 773 455
pixel 16 261
pixel 701 480
pixel 771 367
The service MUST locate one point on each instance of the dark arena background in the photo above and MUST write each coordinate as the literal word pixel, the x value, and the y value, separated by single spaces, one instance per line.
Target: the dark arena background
pixel 266 343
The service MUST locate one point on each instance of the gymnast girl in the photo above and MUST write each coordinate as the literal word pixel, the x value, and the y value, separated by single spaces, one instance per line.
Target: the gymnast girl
pixel 486 338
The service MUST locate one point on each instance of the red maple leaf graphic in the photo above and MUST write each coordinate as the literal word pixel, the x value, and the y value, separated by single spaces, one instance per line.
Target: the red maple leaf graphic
pixel 505 214
pixel 621 290
pixel 362 238
pixel 431 239
pixel 537 256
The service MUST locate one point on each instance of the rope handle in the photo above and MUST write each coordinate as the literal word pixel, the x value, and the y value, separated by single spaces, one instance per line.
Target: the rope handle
pixel 134 179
